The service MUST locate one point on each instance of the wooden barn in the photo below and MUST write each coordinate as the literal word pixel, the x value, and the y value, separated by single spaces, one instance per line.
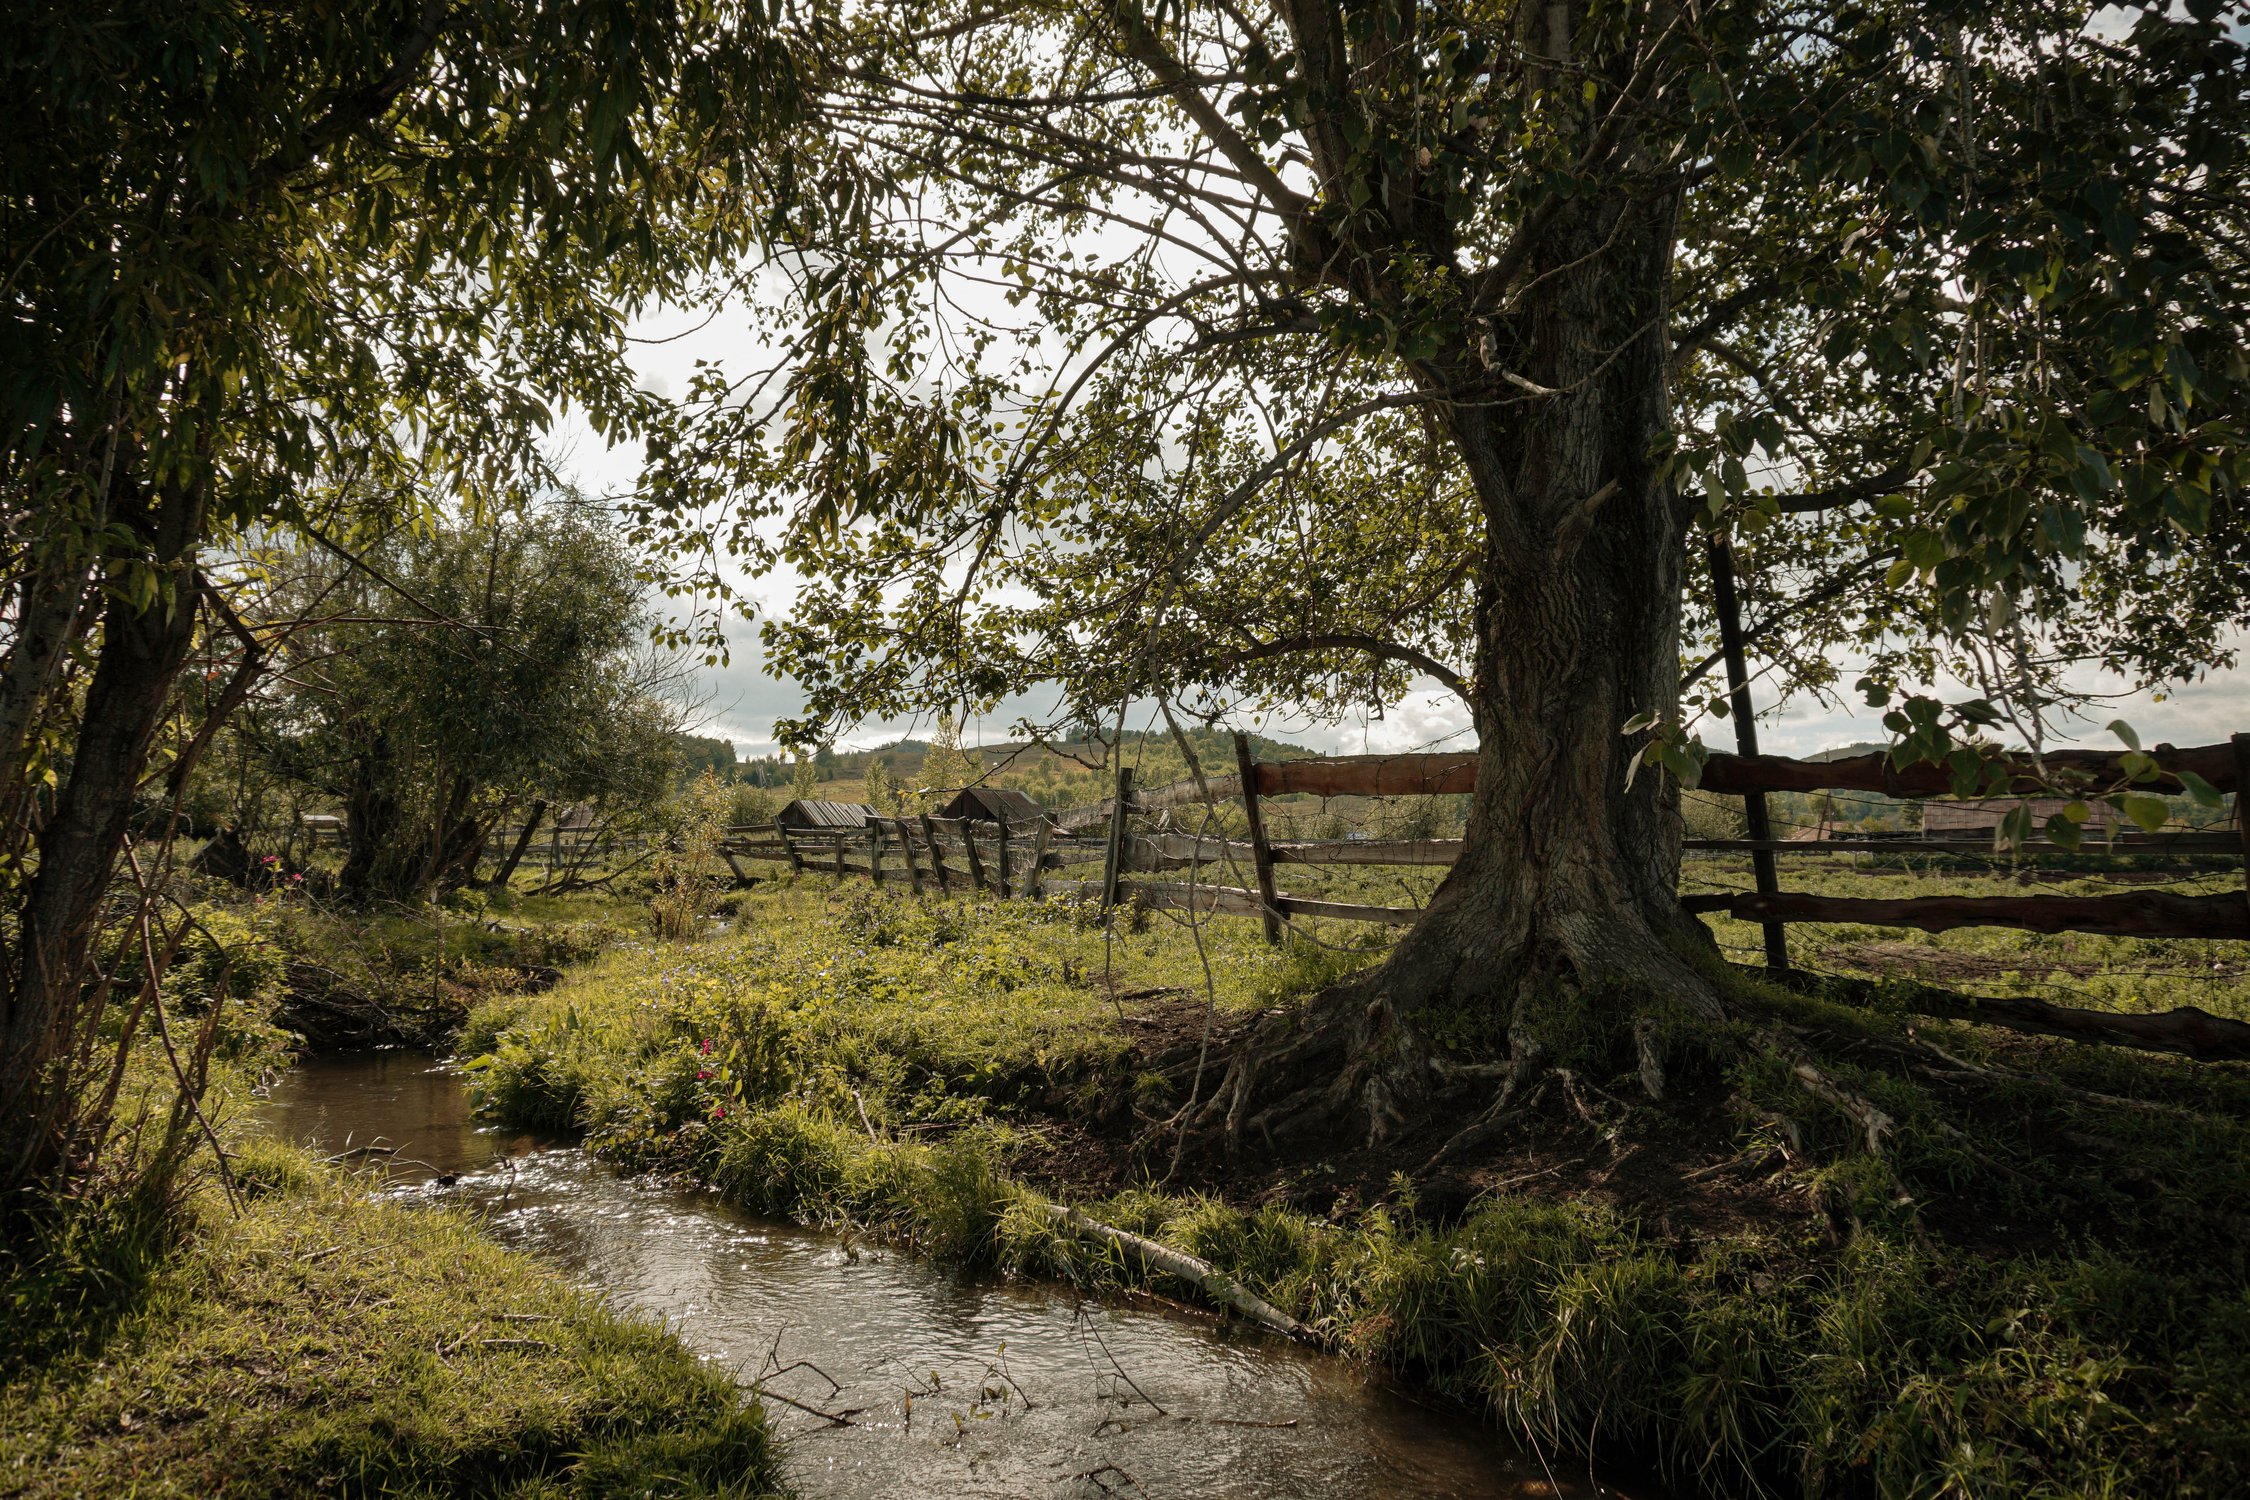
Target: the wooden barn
pixel 812 813
pixel 1981 817
pixel 993 804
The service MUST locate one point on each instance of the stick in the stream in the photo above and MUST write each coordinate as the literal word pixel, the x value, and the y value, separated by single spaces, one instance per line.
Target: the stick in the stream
pixel 1200 1274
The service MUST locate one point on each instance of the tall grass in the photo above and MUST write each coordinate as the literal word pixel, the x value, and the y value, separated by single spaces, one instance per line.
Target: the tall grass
pixel 857 1059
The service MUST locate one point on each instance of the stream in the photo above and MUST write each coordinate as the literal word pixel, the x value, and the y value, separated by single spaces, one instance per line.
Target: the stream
pixel 1017 1389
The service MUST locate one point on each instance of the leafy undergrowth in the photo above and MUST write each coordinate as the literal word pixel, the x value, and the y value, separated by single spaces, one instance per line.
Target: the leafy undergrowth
pixel 323 1341
pixel 344 977
pixel 2028 1279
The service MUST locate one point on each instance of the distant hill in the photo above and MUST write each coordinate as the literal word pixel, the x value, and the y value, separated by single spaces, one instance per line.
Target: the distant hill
pixel 1846 752
pixel 1064 774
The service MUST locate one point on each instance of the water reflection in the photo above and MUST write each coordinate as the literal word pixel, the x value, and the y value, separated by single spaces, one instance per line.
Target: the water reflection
pixel 956 1384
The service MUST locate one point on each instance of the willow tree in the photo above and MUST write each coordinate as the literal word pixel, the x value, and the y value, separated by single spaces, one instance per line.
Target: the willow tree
pixel 283 268
pixel 1304 350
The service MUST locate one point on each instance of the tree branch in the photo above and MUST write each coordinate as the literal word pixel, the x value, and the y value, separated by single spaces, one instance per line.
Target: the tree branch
pixel 1345 640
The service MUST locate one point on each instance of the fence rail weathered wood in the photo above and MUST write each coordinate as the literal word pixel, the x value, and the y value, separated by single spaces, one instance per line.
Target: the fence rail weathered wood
pixel 988 851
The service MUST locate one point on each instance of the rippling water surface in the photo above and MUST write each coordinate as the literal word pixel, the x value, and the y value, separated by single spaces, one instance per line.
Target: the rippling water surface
pixel 957 1384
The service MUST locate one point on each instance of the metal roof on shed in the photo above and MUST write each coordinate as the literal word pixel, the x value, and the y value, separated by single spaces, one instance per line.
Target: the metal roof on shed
pixel 810 812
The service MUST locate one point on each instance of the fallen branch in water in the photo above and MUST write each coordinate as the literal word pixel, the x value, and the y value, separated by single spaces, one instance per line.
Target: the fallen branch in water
pixel 1200 1274
pixel 833 1418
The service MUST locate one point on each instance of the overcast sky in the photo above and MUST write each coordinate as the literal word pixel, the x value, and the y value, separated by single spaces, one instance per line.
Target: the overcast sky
pixel 742 700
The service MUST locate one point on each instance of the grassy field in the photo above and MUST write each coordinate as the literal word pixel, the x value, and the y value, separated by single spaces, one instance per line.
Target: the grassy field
pixel 2038 1285
pixel 2104 973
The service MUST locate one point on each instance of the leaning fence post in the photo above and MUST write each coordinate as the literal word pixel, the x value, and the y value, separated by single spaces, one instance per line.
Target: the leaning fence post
pixel 968 831
pixel 937 856
pixel 906 847
pixel 1002 825
pixel 1038 857
pixel 1261 852
pixel 1113 855
pixel 1746 737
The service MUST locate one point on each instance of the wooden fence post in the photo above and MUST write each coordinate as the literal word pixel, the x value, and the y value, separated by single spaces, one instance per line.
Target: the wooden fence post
pixel 1261 852
pixel 1038 858
pixel 906 847
pixel 968 832
pixel 1005 873
pixel 1729 611
pixel 937 856
pixel 2242 804
pixel 1113 856
pixel 839 854
pixel 875 851
pixel 796 860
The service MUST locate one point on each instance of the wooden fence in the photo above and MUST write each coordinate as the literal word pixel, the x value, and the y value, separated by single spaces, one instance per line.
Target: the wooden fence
pixel 2143 913
pixel 932 853
pixel 945 853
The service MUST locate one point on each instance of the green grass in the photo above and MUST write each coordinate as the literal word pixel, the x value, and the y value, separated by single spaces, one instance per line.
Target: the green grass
pixel 1845 1342
pixel 2086 969
pixel 935 1013
pixel 323 1341
pixel 158 1338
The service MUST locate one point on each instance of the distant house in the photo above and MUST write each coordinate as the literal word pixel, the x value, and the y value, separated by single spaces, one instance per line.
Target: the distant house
pixel 811 812
pixel 1981 818
pixel 323 825
pixel 994 804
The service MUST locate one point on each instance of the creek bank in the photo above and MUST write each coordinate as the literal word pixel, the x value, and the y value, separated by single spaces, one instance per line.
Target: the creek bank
pixel 302 1334
pixel 946 1379
pixel 324 1341
pixel 1963 1307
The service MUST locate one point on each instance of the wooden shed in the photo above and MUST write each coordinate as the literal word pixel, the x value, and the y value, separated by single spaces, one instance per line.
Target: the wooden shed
pixel 993 804
pixel 1981 817
pixel 811 812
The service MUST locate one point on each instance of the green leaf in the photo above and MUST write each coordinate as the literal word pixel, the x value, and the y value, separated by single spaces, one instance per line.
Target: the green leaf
pixel 2124 731
pixel 2148 813
pixel 2205 794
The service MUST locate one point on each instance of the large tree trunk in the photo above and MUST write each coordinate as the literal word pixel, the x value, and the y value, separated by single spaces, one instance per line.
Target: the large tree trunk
pixel 1561 917
pixel 142 651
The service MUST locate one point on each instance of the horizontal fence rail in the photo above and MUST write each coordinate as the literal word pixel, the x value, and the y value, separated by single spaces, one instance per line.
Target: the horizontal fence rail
pixel 986 856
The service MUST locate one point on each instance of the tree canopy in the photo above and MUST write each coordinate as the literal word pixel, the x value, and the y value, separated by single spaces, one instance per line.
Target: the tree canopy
pixel 1114 326
pixel 308 268
pixel 530 677
pixel 1225 353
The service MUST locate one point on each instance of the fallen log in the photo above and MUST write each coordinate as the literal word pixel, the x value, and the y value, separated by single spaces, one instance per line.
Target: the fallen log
pixel 1196 1272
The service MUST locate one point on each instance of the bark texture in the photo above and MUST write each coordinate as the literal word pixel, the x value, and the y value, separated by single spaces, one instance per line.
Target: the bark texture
pixel 142 651
pixel 1559 408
